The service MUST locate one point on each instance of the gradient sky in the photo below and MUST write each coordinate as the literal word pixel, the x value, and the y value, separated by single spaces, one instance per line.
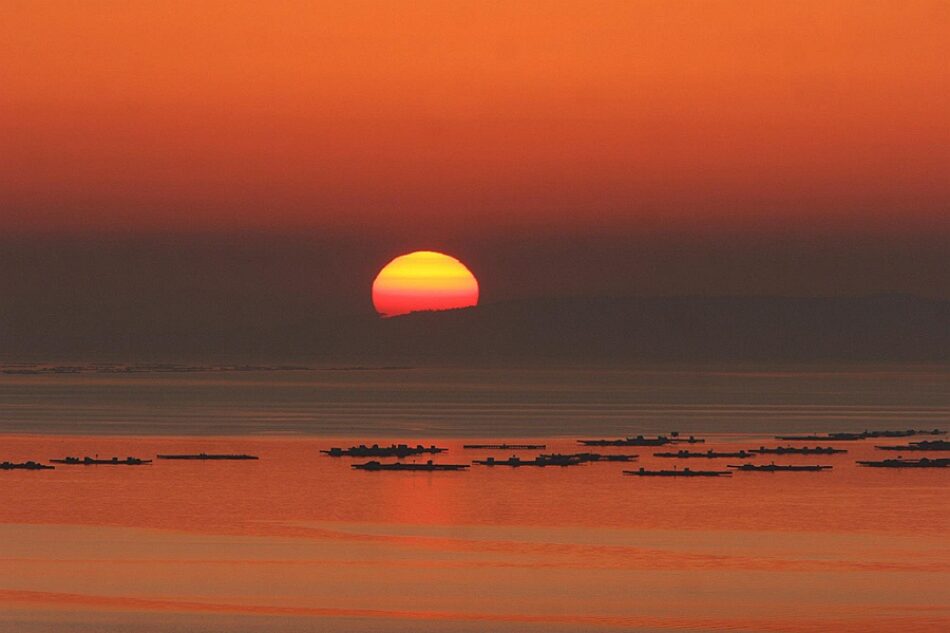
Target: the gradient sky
pixel 268 151
pixel 473 114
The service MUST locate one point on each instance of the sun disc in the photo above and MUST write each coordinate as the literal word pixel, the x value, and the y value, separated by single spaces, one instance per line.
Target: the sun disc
pixel 424 280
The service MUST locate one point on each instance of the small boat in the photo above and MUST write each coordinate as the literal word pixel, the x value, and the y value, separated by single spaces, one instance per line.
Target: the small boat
pixel 926 445
pixel 943 462
pixel 204 456
pixel 426 467
pixel 659 440
pixel 710 454
pixel 91 461
pixel 779 468
pixel 30 465
pixel 686 472
pixel 797 450
pixel 395 450
pixel 507 447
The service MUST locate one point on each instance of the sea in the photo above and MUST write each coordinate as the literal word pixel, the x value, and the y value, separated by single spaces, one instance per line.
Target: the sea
pixel 300 541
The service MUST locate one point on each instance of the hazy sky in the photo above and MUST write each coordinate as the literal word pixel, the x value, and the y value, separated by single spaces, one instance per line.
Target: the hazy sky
pixel 256 155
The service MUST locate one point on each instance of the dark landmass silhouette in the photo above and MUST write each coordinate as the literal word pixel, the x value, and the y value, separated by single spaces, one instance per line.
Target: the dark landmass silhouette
pixel 879 328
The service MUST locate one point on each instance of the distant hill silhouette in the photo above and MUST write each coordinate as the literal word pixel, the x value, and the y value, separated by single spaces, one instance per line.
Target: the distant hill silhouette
pixel 576 330
pixel 875 328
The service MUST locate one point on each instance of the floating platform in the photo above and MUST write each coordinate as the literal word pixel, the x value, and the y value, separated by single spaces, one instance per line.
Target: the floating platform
pixel 91 461
pixel 660 440
pixel 943 462
pixel 863 435
pixel 507 447
pixel 837 437
pixel 692 439
pixel 31 465
pixel 556 459
pixel 427 467
pixel 597 457
pixel 779 468
pixel 542 461
pixel 710 454
pixel 588 457
pixel 797 450
pixel 208 456
pixel 926 445
pixel 395 450
pixel 686 472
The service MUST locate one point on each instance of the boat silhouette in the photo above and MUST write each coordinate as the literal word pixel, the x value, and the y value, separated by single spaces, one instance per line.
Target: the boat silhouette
pixel 92 461
pixel 779 468
pixel 924 462
pixel 797 450
pixel 426 467
pixel 710 454
pixel 204 456
pixel 686 472
pixel 30 465
pixel 926 445
pixel 395 450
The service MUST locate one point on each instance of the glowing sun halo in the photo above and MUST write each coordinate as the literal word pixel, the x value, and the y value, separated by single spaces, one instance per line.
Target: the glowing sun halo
pixel 424 280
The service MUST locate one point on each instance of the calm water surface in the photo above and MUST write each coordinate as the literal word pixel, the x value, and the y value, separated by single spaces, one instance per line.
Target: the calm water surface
pixel 461 403
pixel 301 542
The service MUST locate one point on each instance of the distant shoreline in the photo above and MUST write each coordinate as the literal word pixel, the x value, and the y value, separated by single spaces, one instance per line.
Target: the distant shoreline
pixel 35 369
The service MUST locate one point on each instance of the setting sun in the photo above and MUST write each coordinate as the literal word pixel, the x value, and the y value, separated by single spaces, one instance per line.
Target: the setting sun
pixel 424 280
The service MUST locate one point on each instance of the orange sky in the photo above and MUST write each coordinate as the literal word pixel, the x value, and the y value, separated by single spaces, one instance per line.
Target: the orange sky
pixel 474 116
